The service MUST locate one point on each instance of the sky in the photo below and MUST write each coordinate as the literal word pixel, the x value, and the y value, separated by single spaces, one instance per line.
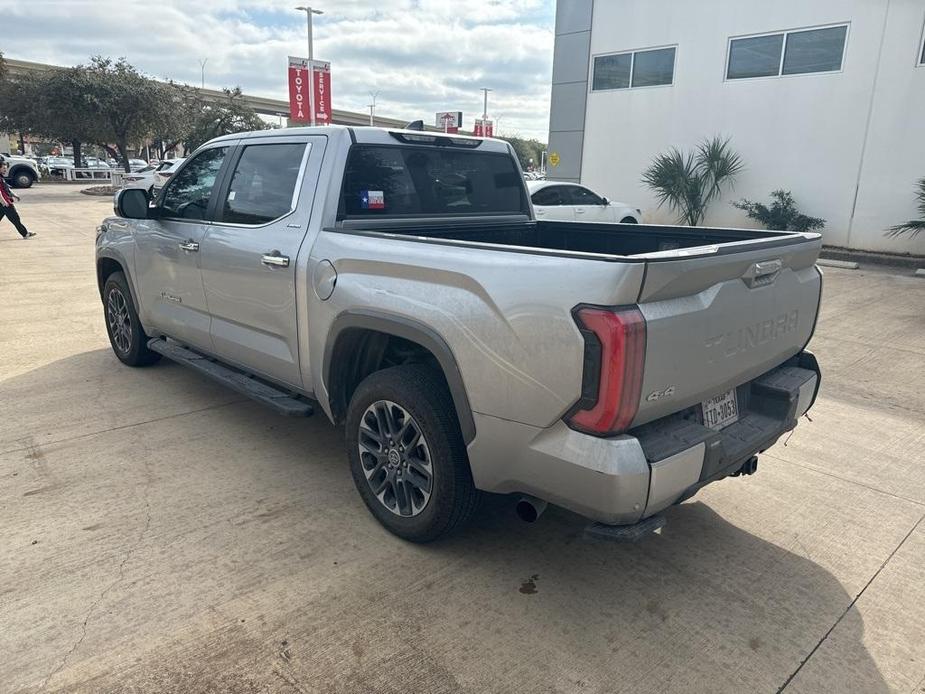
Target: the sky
pixel 421 56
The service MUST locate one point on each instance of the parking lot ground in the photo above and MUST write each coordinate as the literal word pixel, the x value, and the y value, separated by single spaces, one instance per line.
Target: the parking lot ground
pixel 158 533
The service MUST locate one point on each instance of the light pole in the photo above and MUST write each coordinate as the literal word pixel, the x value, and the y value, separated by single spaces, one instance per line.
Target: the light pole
pixel 485 91
pixel 372 108
pixel 311 56
pixel 202 67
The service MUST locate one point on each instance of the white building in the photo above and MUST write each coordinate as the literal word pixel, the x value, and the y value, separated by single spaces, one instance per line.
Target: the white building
pixel 825 98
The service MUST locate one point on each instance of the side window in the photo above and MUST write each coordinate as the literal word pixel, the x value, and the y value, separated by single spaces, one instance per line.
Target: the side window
pixel 583 196
pixel 189 191
pixel 548 197
pixel 263 184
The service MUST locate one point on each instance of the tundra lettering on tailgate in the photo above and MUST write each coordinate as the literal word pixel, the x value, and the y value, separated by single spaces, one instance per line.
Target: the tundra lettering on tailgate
pixel 745 338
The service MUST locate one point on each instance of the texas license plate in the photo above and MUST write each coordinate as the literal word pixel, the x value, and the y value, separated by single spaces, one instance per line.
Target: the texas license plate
pixel 720 411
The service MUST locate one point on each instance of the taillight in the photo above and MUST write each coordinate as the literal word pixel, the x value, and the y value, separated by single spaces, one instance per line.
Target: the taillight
pixel 615 351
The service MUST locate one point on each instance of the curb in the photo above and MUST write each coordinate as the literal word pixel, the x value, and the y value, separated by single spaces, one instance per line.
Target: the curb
pixel 851 256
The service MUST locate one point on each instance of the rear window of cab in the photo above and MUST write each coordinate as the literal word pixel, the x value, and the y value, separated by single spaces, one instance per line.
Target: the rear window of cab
pixel 398 181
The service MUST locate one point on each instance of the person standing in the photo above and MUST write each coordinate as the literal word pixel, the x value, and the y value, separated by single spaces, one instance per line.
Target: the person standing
pixel 7 208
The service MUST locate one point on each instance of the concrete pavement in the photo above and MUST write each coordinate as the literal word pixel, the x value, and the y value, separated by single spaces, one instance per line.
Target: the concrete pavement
pixel 161 534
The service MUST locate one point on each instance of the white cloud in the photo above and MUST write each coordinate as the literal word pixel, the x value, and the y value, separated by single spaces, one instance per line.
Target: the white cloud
pixel 421 56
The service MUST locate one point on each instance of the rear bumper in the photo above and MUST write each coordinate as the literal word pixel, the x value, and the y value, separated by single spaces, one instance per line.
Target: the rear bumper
pixel 623 479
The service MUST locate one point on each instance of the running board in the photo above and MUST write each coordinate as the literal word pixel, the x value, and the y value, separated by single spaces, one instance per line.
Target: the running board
pixel 283 402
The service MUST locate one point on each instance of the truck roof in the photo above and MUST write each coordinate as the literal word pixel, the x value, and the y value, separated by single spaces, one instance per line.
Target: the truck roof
pixel 371 135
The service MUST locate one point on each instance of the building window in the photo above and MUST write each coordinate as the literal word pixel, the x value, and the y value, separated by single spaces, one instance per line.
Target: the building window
pixel 797 52
pixel 649 68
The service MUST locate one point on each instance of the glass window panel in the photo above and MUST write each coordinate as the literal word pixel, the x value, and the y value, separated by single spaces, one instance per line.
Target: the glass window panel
pixel 388 180
pixel 758 56
pixel 188 193
pixel 818 50
pixel 651 68
pixel 612 71
pixel 263 183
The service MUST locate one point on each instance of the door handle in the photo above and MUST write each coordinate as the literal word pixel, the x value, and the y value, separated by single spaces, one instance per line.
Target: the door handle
pixel 275 259
pixel 578 210
pixel 190 246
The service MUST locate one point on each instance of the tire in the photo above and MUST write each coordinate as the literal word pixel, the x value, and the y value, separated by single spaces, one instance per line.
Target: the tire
pixel 417 393
pixel 23 178
pixel 629 220
pixel 126 336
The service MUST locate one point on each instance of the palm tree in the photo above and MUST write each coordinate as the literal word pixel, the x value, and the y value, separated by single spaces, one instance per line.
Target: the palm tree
pixel 913 226
pixel 688 183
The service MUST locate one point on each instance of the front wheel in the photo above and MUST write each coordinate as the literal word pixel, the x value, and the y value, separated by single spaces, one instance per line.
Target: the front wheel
pixel 628 220
pixel 407 455
pixel 23 179
pixel 126 336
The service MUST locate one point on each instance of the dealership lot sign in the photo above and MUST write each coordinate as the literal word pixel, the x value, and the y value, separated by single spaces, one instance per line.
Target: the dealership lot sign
pixel 310 90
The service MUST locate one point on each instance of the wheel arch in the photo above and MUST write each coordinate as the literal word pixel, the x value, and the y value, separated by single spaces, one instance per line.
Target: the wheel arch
pixel 357 345
pixel 106 265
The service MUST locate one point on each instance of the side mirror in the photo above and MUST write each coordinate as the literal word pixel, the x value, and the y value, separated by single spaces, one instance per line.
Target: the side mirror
pixel 605 202
pixel 132 203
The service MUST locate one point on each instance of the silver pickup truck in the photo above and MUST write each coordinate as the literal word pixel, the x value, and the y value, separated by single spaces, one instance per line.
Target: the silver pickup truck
pixel 398 281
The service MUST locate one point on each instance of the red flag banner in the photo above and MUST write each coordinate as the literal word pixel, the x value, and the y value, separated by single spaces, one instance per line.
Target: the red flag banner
pixel 298 90
pixel 321 73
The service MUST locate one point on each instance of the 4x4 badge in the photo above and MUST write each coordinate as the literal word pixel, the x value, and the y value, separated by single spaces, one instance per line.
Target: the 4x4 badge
pixel 659 394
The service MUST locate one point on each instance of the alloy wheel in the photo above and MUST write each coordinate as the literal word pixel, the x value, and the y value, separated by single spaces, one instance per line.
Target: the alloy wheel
pixel 120 322
pixel 395 458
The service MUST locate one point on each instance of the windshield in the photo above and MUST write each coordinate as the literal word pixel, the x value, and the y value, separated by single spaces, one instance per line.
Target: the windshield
pixel 390 181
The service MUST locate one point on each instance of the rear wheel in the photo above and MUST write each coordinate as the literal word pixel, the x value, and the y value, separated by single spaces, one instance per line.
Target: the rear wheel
pixel 629 220
pixel 407 455
pixel 126 336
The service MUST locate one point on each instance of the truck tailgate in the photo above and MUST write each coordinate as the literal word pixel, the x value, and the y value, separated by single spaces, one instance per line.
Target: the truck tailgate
pixel 719 318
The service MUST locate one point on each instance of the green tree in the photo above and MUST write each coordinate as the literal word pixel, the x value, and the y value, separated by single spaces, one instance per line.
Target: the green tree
pixel 689 182
pixel 229 115
pixel 125 101
pixel 53 104
pixel 781 215
pixel 179 105
pixel 914 226
pixel 528 151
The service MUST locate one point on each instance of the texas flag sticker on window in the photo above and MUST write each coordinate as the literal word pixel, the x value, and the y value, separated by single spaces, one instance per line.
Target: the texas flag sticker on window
pixel 372 200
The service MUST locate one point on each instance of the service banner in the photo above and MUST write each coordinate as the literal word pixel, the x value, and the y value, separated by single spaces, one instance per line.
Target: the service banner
pixel 298 89
pixel 321 73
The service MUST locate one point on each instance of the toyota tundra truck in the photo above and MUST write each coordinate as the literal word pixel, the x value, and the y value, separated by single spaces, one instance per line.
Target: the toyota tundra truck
pixel 398 281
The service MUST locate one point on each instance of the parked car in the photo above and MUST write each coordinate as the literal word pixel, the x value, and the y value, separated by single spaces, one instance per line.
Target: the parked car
pixel 163 171
pixel 23 171
pixel 572 202
pixel 94 163
pixel 143 178
pixel 398 282
pixel 133 164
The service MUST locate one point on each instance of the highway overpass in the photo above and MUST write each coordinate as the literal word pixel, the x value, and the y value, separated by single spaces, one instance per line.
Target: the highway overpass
pixel 261 104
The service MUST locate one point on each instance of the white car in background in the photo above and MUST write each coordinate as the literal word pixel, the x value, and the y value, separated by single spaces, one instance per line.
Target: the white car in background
pixel 568 202
pixel 143 178
pixel 152 178
pixel 164 170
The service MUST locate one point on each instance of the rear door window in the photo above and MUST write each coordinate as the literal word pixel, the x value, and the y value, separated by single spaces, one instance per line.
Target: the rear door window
pixel 583 196
pixel 263 185
pixel 389 181
pixel 549 197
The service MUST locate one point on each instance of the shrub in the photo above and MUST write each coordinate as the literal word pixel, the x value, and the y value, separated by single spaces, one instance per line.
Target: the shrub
pixel 913 226
pixel 781 215
pixel 688 183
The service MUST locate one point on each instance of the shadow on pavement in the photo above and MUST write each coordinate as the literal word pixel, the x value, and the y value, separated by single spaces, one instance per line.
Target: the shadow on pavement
pixel 507 607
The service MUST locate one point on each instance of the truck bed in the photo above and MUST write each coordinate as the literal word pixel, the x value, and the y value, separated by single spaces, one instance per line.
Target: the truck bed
pixel 581 237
